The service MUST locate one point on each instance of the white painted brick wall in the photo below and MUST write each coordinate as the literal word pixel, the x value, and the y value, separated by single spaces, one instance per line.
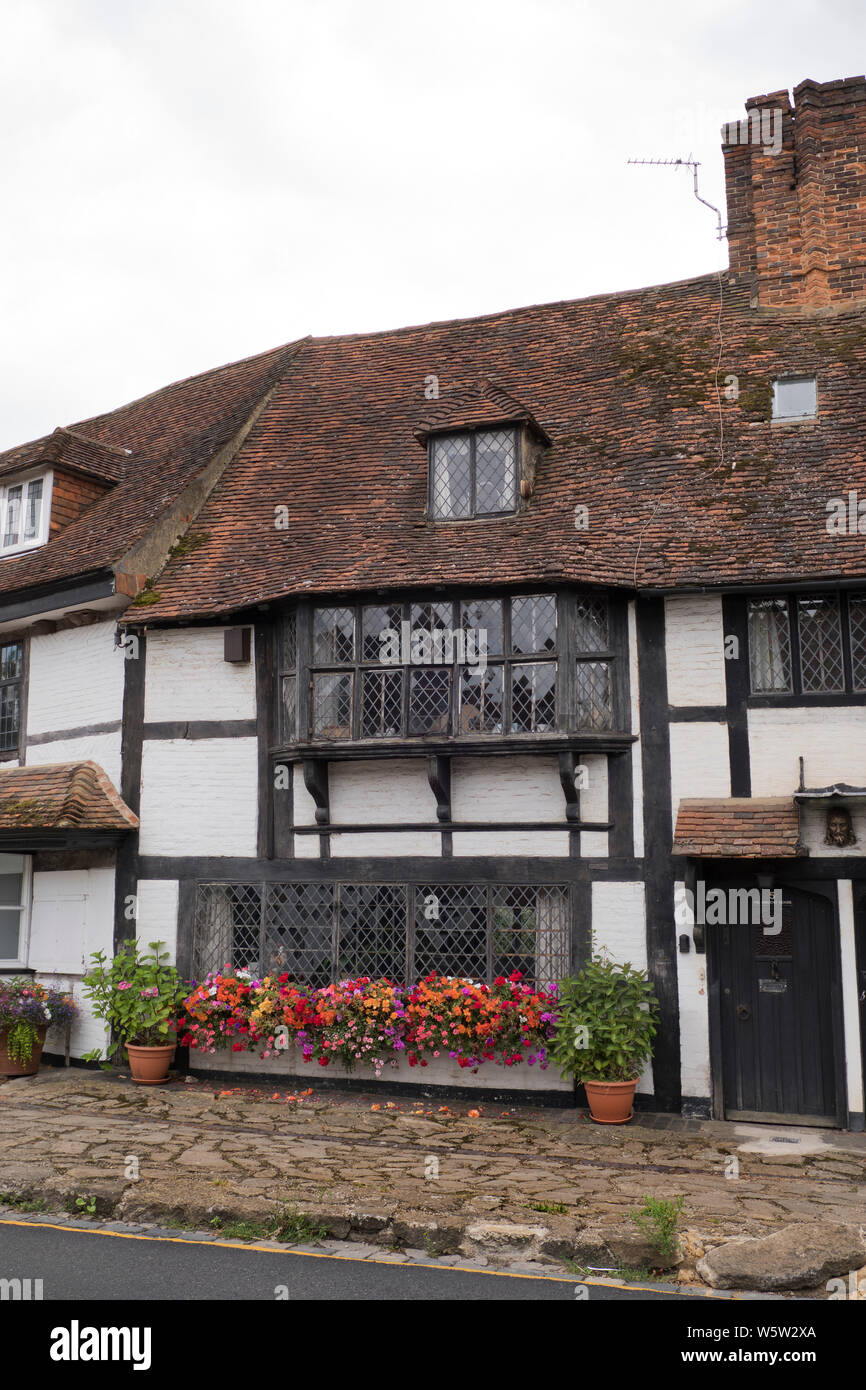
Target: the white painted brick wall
pixel 619 924
pixel 501 842
pixel 103 749
pixel 199 796
pixel 832 741
pixel 700 761
pixel 619 921
pixel 385 844
pixel 506 789
pixel 303 804
pixel 72 916
pixel 378 791
pixel 187 678
pixel 76 678
pixel 157 913
pixel 594 806
pixel 306 846
pixel 694 1016
pixel 694 646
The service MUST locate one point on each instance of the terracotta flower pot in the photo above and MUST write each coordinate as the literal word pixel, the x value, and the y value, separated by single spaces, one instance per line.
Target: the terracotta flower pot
pixel 611 1102
pixel 149 1065
pixel 10 1067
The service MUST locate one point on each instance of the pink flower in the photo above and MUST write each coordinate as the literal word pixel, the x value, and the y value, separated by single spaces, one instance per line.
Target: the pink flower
pixel 124 984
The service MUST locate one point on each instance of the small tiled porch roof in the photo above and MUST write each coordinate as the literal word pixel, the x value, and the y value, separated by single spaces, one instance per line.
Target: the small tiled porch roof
pixel 61 796
pixel 738 827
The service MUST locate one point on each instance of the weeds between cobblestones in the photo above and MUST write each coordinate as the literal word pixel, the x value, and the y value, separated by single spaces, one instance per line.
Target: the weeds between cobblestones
pixel 529 1185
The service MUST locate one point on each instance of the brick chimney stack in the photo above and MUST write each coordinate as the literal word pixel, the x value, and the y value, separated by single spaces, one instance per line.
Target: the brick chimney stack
pixel 796 192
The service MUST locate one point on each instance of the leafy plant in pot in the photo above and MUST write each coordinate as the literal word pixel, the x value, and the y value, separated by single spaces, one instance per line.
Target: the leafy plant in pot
pixel 27 1010
pixel 138 995
pixel 604 1034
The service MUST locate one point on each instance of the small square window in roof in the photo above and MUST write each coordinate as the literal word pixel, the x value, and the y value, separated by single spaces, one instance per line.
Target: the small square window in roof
pixel 795 398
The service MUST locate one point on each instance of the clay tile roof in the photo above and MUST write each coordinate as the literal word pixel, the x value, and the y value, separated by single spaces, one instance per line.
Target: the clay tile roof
pixel 71 450
pixel 624 385
pixel 485 403
pixel 738 828
pixel 151 450
pixel 61 796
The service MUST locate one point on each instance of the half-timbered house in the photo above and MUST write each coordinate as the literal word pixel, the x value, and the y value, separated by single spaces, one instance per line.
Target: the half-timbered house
pixel 466 646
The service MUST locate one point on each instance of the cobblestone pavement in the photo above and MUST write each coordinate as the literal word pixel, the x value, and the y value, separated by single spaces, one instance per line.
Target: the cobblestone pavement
pixel 468 1176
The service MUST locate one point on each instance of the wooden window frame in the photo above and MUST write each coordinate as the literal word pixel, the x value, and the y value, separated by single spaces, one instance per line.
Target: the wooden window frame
pixel 795 690
pixel 17 753
pixel 565 657
pixel 471 434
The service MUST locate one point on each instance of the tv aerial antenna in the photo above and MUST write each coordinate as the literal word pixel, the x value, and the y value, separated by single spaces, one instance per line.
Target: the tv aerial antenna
pixel 694 165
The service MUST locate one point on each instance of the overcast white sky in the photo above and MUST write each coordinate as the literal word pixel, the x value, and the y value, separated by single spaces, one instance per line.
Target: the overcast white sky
pixel 188 182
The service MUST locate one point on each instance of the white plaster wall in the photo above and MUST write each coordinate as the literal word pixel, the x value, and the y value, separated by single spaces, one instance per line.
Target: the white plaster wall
pixel 694 646
pixel 374 791
pixel 103 749
pixel 72 917
pixel 693 1006
pixel 832 741
pixel 700 762
pixel 199 796
pixel 187 678
pixel 501 842
pixel 506 789
pixel 157 913
pixel 619 924
pixel 594 806
pixel 636 765
pixel 76 678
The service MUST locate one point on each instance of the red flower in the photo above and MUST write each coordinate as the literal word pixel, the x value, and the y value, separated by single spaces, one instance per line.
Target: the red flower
pixel 283 979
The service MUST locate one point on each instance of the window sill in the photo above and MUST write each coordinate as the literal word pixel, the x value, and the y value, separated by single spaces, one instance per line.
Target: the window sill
pixel 602 741
pixel 22 549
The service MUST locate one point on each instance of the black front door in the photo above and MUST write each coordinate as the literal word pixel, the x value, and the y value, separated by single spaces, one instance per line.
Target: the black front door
pixel 779 1012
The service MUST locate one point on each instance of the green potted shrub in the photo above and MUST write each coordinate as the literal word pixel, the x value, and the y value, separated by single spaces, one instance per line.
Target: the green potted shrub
pixel 604 1035
pixel 138 995
pixel 27 1010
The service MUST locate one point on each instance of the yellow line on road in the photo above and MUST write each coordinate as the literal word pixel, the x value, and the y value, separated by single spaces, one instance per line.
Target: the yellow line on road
pixel 313 1255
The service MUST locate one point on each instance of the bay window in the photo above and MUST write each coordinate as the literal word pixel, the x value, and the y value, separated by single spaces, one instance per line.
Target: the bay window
pixel 521 664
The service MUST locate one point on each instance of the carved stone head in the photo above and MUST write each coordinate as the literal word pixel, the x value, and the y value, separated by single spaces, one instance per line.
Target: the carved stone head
pixel 840 831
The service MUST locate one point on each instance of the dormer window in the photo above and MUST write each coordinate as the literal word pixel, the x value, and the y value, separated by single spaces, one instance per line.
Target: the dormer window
pixel 473 474
pixel 25 507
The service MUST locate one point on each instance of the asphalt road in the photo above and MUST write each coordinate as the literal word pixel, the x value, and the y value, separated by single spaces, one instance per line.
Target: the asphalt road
pixel 86 1264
